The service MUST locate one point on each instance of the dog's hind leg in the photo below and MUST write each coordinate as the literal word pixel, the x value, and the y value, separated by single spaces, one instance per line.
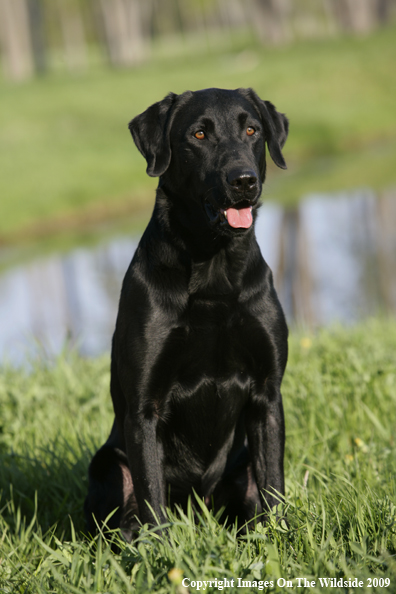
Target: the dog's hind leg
pixel 238 494
pixel 111 490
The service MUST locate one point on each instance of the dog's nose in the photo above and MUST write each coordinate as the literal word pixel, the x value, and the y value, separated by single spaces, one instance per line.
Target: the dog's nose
pixel 242 180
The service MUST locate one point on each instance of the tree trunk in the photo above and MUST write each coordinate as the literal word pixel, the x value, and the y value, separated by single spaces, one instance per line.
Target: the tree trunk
pixel 73 34
pixel 233 13
pixel 362 15
pixel 270 19
pixel 37 34
pixel 15 39
pixel 359 16
pixel 123 29
pixel 383 10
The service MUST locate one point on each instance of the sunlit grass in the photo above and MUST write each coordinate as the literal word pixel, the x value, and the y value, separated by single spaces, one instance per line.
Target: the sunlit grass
pixel 340 406
pixel 65 146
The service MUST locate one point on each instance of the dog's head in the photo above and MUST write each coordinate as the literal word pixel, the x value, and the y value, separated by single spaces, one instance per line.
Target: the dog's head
pixel 208 148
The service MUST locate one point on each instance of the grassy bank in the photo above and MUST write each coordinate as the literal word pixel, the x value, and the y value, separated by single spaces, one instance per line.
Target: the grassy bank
pixel 65 148
pixel 339 394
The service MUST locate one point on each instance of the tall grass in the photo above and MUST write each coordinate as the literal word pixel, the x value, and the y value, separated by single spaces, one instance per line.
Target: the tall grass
pixel 340 396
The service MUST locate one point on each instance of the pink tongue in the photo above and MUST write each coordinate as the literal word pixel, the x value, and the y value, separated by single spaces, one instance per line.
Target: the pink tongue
pixel 239 218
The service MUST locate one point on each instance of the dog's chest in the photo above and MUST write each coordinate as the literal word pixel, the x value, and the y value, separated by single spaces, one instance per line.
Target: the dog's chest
pixel 217 344
pixel 208 380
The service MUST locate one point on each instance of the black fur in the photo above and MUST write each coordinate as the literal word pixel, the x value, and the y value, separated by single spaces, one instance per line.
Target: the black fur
pixel 200 344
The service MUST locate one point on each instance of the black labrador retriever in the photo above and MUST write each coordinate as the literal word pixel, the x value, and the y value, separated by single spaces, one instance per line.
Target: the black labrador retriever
pixel 200 344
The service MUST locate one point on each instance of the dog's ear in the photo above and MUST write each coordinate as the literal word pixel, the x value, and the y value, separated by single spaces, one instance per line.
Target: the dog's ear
pixel 150 131
pixel 276 128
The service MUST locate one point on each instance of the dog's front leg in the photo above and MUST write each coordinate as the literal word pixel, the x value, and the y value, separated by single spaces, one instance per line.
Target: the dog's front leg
pixel 265 428
pixel 145 454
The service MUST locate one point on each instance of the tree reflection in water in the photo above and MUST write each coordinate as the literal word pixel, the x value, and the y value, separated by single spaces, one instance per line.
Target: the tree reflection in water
pixel 333 259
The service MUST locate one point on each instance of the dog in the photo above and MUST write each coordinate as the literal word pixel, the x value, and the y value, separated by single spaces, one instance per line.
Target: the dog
pixel 200 344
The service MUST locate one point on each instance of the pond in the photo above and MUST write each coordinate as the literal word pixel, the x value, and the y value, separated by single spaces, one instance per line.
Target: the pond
pixel 333 259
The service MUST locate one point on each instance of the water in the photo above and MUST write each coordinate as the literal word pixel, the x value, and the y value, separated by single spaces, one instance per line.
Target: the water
pixel 333 258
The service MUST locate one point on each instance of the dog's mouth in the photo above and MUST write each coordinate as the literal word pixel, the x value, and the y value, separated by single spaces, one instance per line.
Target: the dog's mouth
pixel 239 216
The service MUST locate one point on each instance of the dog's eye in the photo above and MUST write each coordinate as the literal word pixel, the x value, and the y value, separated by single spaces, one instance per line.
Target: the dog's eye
pixel 250 131
pixel 200 134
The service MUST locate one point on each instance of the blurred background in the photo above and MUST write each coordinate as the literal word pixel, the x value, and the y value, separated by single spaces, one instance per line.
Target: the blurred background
pixel 74 196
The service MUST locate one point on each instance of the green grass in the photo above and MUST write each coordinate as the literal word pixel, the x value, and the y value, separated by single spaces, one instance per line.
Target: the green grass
pixel 340 406
pixel 65 147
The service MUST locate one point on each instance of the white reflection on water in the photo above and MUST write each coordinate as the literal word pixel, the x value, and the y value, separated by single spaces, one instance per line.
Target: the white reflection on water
pixel 333 258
